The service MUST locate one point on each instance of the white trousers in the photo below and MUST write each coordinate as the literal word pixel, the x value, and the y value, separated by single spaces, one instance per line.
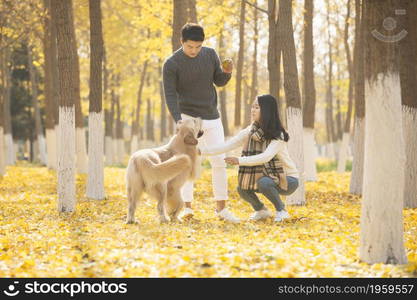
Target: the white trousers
pixel 213 134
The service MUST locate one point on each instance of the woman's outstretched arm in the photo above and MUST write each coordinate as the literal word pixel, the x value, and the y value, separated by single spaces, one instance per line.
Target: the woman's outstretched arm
pixel 229 145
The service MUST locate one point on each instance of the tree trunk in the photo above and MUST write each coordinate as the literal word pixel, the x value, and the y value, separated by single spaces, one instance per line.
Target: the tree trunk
pixel 95 180
pixel 67 60
pixel 382 229
pixel 309 107
pixel 163 106
pixel 223 92
pixel 254 81
pixel 274 54
pixel 408 78
pixel 331 134
pixel 192 11
pixel 293 97
pixel 39 139
pixel 341 167
pixel 55 84
pixel 2 145
pixel 136 123
pixel 50 101
pixel 119 131
pixel 81 147
pixel 239 67
pixel 108 115
pixel 179 19
pixel 8 136
pixel 356 179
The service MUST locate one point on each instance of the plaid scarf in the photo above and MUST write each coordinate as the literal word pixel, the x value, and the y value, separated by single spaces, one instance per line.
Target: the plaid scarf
pixel 249 175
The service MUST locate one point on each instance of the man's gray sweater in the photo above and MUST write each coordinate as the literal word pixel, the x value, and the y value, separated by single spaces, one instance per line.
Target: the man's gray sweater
pixel 188 83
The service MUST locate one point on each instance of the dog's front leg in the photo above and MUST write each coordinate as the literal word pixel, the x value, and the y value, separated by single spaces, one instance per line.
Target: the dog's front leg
pixel 177 199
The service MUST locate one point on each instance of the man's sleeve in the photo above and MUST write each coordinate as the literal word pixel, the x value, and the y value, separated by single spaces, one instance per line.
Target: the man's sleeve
pixel 220 78
pixel 171 97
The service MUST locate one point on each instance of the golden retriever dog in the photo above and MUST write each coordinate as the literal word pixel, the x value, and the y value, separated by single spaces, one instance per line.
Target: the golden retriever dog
pixel 161 172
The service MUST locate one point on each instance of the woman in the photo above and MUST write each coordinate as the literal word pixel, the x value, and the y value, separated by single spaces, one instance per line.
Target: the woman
pixel 265 165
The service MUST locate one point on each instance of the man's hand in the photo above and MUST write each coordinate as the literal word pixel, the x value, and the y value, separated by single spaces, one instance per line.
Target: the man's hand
pixel 177 124
pixel 232 160
pixel 227 65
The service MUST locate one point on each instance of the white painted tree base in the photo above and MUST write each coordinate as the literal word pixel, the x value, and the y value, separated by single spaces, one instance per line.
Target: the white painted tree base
pixel 329 151
pixel 66 159
pixel 356 177
pixel 10 151
pixel 135 144
pixel 95 179
pixel 295 149
pixel 51 148
pixel 310 154
pixel 2 152
pixel 109 149
pixel 81 149
pixel 120 151
pixel 42 149
pixel 343 152
pixel 409 115
pixel 382 230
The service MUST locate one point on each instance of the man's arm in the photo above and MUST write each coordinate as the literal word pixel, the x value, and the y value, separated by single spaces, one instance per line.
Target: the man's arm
pixel 220 78
pixel 171 98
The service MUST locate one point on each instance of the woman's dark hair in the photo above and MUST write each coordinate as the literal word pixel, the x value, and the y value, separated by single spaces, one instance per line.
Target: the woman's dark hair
pixel 193 32
pixel 269 119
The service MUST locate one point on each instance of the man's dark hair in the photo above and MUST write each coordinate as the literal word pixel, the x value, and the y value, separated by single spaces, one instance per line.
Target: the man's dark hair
pixel 193 32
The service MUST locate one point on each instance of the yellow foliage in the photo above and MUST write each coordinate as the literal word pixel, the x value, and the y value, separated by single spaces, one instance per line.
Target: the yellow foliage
pixel 320 239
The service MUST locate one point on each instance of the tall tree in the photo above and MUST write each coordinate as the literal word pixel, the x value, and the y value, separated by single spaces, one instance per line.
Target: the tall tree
pixel 136 121
pixel 163 105
pixel 179 19
pixel 274 54
pixel 67 57
pixel 356 179
pixel 239 67
pixel 7 123
pixel 39 139
pixel 192 11
pixel 49 38
pixel 309 107
pixel 408 76
pixel 223 92
pixel 293 97
pixel 331 134
pixel 95 180
pixel 108 115
pixel 2 145
pixel 254 80
pixel 80 145
pixel 341 166
pixel 119 125
pixel 382 228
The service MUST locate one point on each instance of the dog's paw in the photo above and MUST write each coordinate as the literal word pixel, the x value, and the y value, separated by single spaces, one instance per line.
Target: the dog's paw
pixel 165 219
pixel 176 220
pixel 131 222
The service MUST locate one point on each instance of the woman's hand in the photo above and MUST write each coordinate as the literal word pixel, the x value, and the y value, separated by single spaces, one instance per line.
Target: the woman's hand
pixel 232 160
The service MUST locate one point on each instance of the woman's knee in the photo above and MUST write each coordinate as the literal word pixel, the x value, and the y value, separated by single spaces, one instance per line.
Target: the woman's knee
pixel 292 186
pixel 265 183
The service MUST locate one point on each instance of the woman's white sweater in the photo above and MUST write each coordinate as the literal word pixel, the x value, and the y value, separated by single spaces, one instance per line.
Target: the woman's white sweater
pixel 276 147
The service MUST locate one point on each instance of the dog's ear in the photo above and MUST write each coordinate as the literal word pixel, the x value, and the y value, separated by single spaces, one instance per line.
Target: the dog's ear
pixel 189 139
pixel 200 133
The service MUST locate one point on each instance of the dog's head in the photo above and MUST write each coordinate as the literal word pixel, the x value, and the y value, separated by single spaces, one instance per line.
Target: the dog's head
pixel 190 130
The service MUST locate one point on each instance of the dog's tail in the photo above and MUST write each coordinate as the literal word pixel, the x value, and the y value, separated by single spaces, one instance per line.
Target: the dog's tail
pixel 168 169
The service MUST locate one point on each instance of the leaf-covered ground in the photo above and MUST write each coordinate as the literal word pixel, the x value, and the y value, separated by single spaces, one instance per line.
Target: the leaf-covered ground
pixel 320 240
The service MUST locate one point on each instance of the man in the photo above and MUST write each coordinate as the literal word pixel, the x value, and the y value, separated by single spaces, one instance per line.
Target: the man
pixel 188 75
